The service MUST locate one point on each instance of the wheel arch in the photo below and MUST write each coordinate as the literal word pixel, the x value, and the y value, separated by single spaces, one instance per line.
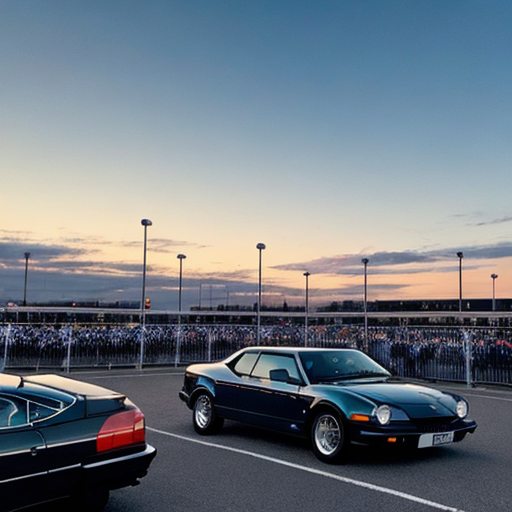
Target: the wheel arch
pixel 344 403
pixel 322 405
pixel 202 384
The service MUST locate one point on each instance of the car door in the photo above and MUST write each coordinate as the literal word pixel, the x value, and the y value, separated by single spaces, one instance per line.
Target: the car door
pixel 227 390
pixel 271 396
pixel 23 471
pixel 69 444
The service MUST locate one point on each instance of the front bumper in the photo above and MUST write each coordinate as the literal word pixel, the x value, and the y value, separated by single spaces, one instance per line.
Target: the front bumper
pixel 184 397
pixel 407 434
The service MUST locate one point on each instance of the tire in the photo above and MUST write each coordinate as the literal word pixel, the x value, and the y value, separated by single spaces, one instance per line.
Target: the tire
pixel 204 416
pixel 329 436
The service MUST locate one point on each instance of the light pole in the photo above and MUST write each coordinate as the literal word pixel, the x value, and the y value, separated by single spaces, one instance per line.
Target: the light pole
pixel 494 276
pixel 27 256
pixel 260 248
pixel 181 257
pixel 306 309
pixel 145 223
pixel 460 255
pixel 365 263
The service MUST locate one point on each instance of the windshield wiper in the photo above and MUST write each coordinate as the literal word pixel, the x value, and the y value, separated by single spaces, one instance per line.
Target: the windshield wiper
pixel 368 373
pixel 349 376
pixel 346 376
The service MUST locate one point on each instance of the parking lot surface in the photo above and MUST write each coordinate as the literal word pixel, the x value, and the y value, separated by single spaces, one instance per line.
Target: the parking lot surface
pixel 243 468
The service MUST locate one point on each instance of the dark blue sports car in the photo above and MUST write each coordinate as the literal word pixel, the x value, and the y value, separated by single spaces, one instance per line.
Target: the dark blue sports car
pixel 62 438
pixel 332 396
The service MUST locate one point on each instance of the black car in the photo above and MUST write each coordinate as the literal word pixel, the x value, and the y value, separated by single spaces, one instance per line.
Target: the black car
pixel 331 396
pixel 62 438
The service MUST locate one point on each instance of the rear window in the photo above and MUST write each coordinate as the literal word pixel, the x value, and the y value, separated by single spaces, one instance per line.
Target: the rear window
pixel 245 364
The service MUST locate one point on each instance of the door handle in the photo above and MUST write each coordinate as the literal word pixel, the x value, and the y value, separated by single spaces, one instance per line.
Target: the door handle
pixel 34 450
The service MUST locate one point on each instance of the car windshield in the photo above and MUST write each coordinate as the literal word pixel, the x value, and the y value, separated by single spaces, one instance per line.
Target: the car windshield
pixel 342 364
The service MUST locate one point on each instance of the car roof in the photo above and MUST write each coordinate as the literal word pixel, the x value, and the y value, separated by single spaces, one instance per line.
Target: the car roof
pixel 9 382
pixel 295 349
pixel 73 386
pixel 288 350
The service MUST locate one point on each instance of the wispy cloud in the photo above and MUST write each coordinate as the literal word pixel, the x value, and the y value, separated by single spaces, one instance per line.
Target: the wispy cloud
pixel 70 269
pixel 12 251
pixel 161 245
pixel 401 262
pixel 479 218
pixel 501 220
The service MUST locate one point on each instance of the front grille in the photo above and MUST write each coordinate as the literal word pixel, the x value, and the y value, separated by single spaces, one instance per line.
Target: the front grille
pixel 434 426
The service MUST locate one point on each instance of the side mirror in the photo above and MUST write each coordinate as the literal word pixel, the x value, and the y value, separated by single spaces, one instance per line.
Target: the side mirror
pixel 280 375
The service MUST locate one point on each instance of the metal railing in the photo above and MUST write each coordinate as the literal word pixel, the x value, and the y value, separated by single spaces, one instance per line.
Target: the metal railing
pixel 473 355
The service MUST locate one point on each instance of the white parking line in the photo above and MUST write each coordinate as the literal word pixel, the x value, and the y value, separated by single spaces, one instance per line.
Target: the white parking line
pixel 131 375
pixel 343 479
pixel 490 397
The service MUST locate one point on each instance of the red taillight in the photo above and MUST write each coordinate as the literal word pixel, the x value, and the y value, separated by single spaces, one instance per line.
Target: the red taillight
pixel 122 429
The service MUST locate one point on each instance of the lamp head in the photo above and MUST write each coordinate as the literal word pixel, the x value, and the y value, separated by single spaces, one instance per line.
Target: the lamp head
pixel 260 246
pixel 146 222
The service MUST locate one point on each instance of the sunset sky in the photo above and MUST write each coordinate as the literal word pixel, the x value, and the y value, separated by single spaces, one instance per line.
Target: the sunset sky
pixel 330 130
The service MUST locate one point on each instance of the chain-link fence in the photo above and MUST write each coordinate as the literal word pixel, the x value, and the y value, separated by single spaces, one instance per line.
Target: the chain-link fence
pixel 464 354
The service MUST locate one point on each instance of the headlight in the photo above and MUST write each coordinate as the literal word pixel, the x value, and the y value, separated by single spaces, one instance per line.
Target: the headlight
pixel 383 414
pixel 462 408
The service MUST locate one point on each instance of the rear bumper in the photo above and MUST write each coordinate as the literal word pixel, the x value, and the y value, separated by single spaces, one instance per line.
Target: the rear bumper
pixel 121 471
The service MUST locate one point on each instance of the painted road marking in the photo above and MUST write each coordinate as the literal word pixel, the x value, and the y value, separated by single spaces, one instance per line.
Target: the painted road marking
pixel 343 479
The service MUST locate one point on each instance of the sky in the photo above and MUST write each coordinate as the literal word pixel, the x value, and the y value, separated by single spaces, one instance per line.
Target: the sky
pixel 329 130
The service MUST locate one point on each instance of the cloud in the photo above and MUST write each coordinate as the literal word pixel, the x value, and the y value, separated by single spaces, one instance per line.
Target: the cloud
pixel 477 252
pixel 14 251
pixel 59 271
pixel 402 262
pixel 501 220
pixel 161 245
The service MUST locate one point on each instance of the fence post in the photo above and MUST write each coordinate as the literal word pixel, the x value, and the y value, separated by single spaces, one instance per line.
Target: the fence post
pixel 468 346
pixel 177 355
pixel 210 336
pixel 7 335
pixel 69 340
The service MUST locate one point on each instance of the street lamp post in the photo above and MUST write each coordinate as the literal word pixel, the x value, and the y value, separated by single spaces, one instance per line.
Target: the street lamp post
pixel 460 255
pixel 365 263
pixel 27 256
pixel 494 276
pixel 306 309
pixel 181 257
pixel 145 223
pixel 260 248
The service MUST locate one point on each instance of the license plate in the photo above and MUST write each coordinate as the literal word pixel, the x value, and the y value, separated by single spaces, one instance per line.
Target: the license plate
pixel 443 438
pixel 427 440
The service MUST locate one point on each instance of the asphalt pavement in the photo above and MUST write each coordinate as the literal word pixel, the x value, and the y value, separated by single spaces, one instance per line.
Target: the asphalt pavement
pixel 244 468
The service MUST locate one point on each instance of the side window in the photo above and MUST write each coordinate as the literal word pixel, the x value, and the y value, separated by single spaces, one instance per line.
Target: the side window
pixel 268 363
pixel 38 411
pixel 245 364
pixel 13 412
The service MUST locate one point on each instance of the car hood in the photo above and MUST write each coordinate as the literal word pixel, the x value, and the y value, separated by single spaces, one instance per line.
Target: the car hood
pixel 416 401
